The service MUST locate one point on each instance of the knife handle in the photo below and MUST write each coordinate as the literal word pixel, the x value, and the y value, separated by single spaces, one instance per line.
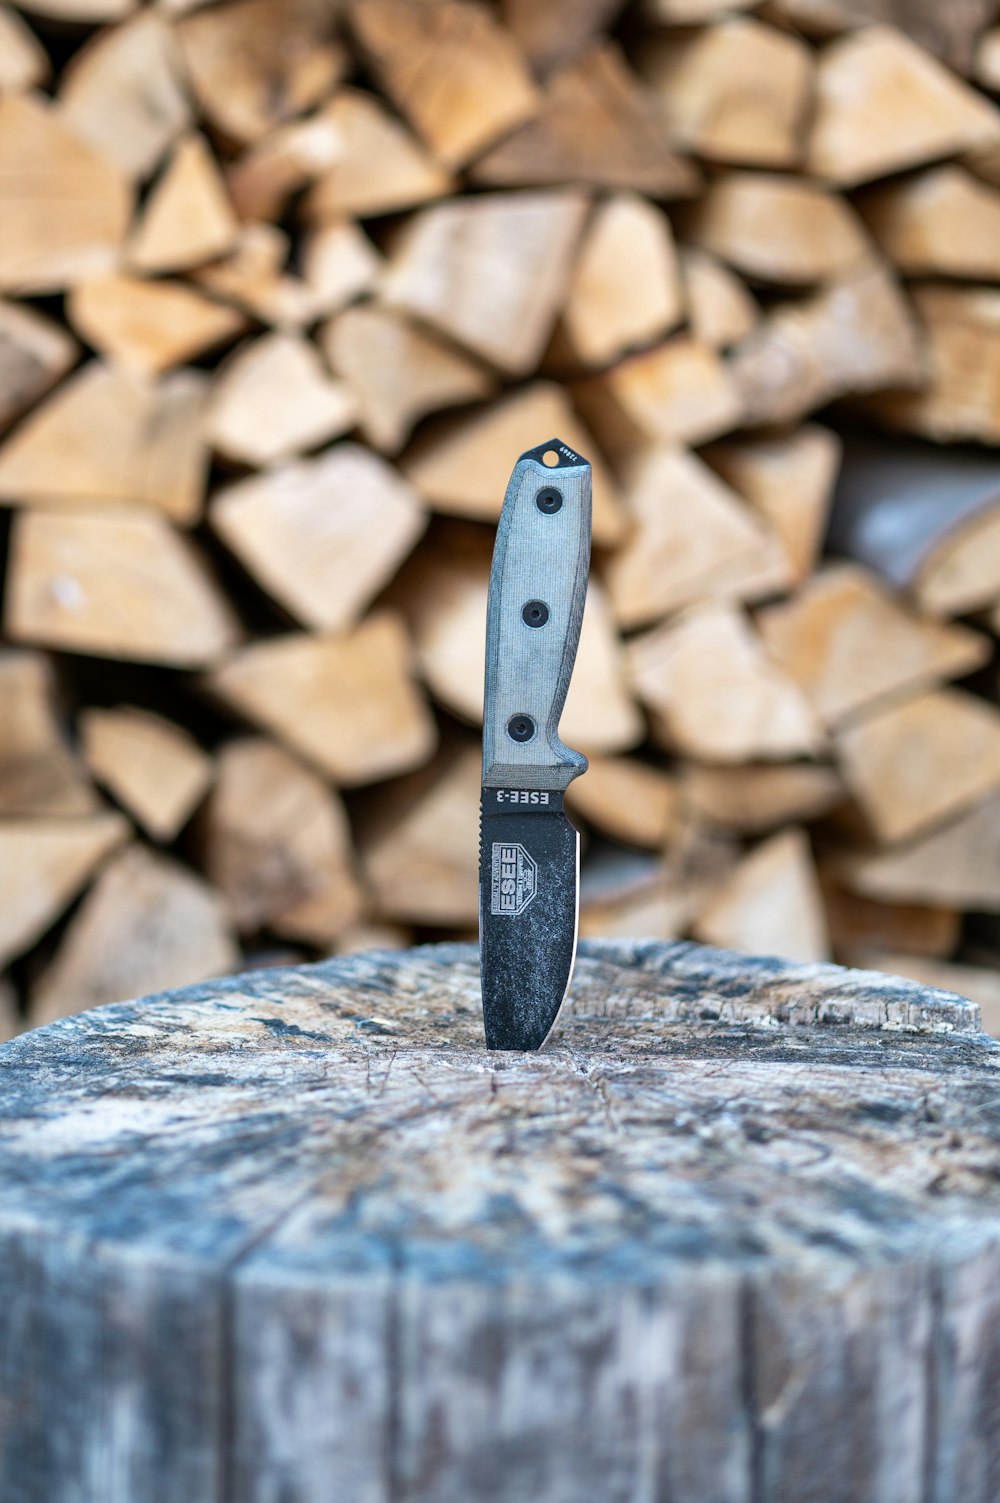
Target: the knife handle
pixel 538 586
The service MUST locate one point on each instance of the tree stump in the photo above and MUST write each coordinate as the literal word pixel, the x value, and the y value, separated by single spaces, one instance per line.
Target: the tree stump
pixel 296 1237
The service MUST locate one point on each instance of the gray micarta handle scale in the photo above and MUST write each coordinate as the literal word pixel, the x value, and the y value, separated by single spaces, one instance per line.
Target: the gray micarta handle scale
pixel 538 587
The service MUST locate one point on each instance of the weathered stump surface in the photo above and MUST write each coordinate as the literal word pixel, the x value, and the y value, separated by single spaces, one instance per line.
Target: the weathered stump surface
pixel 296 1237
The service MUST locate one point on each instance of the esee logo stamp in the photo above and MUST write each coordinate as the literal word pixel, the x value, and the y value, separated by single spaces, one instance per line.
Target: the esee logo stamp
pixel 514 878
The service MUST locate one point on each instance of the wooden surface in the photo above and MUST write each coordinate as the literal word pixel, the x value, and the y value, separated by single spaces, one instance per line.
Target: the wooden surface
pixel 734 1238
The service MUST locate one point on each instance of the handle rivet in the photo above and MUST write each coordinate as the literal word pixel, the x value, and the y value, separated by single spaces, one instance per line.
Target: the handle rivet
pixel 549 500
pixel 535 613
pixel 520 727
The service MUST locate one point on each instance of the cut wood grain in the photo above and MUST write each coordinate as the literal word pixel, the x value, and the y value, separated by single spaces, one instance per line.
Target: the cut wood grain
pixel 597 125
pixel 464 469
pixel 713 694
pixel 915 764
pixel 771 904
pixel 943 221
pixel 789 480
pixel 625 289
pixel 679 392
pixel 407 174
pixel 24 63
pixel 444 271
pixel 774 227
pixel 106 438
pixel 451 68
pixel 631 801
pixel 709 86
pixel 118 584
pixel 751 800
pixel 277 845
pixel 256 63
pixel 64 205
pixel 152 766
pixel 35 353
pixel 856 335
pixel 883 103
pixel 346 702
pixel 825 635
pixel 43 865
pixel 187 219
pixel 274 399
pixel 149 327
pixel 720 309
pixel 418 858
pixel 550 34
pixel 123 92
pixel 148 924
pixel 39 772
pixel 397 372
pixel 961 397
pixel 339 264
pixel 957 866
pixel 692 537
pixel 324 535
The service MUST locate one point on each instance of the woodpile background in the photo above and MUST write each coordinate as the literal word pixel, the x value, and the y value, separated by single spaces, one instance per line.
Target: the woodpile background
pixel 286 287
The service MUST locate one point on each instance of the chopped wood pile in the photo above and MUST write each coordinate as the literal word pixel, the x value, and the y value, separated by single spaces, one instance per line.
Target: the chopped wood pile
pixel 285 288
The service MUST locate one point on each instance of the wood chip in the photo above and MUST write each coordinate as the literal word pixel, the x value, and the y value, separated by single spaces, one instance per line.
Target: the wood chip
pixel 771 904
pixel 35 353
pixel 397 372
pixel 64 206
pixel 713 694
pixel 915 764
pixel 152 766
pixel 407 175
pixel 444 271
pixel 452 70
pixel 345 702
pixel 39 773
pixel 43 865
pixel 944 222
pixel 106 438
pixel 188 218
pixel 883 103
pixel 322 536
pixel 149 327
pixel 598 125
pixel 274 399
pixel 720 309
pixel 149 925
pixel 118 584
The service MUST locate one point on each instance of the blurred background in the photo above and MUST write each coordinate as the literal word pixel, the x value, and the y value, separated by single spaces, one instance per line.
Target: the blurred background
pixel 285 288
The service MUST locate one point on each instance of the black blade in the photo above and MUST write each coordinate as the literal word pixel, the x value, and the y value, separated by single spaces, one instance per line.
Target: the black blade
pixel 529 861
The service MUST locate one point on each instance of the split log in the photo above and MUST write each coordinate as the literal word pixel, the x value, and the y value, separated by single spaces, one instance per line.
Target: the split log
pixel 114 584
pixel 986 65
pixel 825 635
pixel 39 772
pixel 277 845
pixel 147 924
pixel 123 93
pixel 256 63
pixel 713 695
pixel 883 103
pixel 24 63
pixel 345 702
pixel 550 34
pixel 860 927
pixel 44 863
pixel 626 892
pixel 914 764
pixel 444 271
pixel 708 84
pixel 397 372
pixel 655 1344
pixel 78 12
pixel 596 125
pixel 339 264
pixel 680 392
pixel 720 309
pixel 254 276
pixel 263 180
pixel 451 68
pixel 631 801
pixel 694 12
pixel 771 904
pixel 942 222
pixel 187 218
pixel 407 175
pixel 752 800
pixel 35 353
pixel 323 535
pixel 106 438
pixel 274 399
pixel 149 327
pixel 948 31
pixel 957 866
pixel 65 206
pixel 463 470
pixel 153 767
pixel 777 228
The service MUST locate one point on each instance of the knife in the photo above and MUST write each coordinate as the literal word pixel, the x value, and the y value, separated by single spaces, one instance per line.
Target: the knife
pixel 529 852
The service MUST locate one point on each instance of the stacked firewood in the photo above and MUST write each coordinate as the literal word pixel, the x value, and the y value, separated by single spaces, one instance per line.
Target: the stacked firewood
pixel 287 285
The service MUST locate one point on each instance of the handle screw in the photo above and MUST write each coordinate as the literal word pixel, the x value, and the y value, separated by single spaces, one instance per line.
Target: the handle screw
pixel 549 500
pixel 520 727
pixel 535 613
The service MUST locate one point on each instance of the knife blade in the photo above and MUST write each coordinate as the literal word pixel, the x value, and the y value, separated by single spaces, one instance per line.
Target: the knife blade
pixel 529 852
